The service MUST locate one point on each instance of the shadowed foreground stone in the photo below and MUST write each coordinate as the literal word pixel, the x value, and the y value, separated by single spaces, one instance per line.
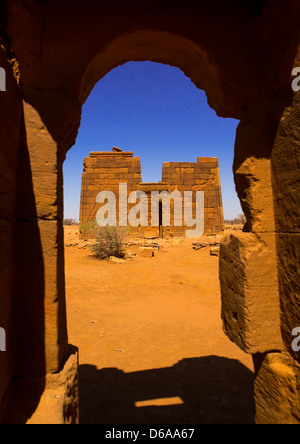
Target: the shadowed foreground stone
pixel 59 402
pixel 277 390
pixel 249 288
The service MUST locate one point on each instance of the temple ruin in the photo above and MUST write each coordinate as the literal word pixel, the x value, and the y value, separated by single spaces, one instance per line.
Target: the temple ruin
pixel 105 171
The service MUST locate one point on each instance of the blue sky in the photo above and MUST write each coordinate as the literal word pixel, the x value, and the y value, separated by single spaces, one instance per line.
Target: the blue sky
pixel 155 111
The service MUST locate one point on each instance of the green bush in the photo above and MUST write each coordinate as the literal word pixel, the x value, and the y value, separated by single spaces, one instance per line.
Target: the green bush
pixel 110 241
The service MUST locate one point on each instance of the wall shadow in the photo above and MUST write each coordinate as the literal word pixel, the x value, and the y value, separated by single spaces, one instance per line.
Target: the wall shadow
pixel 214 390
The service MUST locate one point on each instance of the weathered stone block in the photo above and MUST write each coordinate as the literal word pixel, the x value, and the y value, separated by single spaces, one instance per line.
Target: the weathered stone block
pixel 288 245
pixel 249 287
pixel 146 252
pixel 277 390
pixel 215 251
pixel 253 176
pixel 285 176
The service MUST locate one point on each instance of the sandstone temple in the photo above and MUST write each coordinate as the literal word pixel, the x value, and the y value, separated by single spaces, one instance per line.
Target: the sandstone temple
pixel 105 171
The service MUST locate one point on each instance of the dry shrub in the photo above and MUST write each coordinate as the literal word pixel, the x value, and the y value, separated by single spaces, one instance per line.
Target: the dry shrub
pixel 69 222
pixel 110 241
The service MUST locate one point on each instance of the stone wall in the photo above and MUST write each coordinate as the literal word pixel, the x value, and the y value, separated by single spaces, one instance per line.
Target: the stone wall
pixel 103 172
pixel 201 176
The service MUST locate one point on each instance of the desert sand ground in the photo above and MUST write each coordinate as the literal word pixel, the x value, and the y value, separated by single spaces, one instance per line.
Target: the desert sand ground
pixel 151 345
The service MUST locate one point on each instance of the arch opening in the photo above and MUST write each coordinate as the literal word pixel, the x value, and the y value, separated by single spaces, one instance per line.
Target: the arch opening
pixel 138 369
pixel 162 47
pixel 161 117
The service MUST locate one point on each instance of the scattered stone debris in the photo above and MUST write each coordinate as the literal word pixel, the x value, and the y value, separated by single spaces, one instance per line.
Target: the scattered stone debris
pixel 80 245
pixel 152 245
pixel 134 248
pixel 146 252
pixel 214 245
pixel 130 254
pixel 143 249
pixel 207 243
pixel 215 251
pixel 234 227
pixel 116 260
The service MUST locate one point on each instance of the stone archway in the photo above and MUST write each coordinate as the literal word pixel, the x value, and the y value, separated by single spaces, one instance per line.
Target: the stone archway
pixel 54 54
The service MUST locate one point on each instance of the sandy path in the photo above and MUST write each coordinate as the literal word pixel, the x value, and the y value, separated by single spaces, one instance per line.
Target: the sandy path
pixel 150 338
